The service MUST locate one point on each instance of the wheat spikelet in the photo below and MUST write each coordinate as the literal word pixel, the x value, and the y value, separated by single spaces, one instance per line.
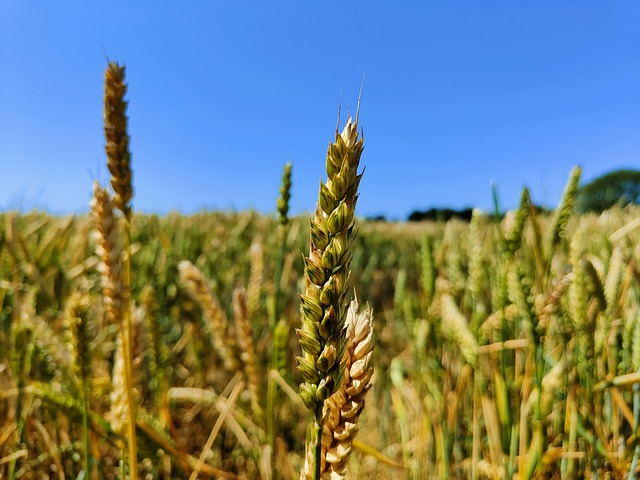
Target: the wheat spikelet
pixel 110 251
pixel 343 408
pixel 247 351
pixel 117 138
pixel 196 286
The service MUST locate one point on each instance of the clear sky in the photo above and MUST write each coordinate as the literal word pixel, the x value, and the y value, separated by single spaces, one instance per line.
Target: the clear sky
pixel 222 94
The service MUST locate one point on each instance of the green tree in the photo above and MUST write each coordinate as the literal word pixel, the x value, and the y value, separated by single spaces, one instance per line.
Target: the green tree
pixel 620 187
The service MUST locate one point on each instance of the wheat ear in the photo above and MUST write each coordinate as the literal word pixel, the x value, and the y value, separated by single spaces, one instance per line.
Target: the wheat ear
pixel 256 279
pixel 110 251
pixel 117 138
pixel 322 336
pixel 343 408
pixel 119 407
pixel 247 350
pixel 196 286
pixel 455 328
pixel 285 195
pixel 78 318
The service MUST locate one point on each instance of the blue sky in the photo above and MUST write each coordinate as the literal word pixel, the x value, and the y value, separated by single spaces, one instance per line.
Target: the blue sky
pixel 222 94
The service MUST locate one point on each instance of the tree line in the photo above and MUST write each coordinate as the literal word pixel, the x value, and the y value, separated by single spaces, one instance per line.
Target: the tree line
pixel 615 188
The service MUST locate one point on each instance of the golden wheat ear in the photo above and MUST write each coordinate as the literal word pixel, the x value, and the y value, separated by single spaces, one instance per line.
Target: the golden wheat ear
pixel 247 351
pixel 342 410
pixel 195 284
pixel 110 252
pixel 117 138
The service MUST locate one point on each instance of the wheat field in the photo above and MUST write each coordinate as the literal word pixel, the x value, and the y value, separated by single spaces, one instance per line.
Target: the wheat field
pixel 240 345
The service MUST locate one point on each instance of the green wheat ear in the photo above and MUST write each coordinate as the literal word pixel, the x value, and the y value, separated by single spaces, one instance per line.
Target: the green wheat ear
pixel 513 234
pixel 324 307
pixel 428 272
pixel 455 328
pixel 285 195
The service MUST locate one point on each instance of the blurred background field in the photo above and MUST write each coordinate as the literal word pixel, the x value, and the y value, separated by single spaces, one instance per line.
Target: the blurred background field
pixel 502 345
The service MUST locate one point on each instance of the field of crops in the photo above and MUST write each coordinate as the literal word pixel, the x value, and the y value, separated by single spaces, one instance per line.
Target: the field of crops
pixel 170 347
